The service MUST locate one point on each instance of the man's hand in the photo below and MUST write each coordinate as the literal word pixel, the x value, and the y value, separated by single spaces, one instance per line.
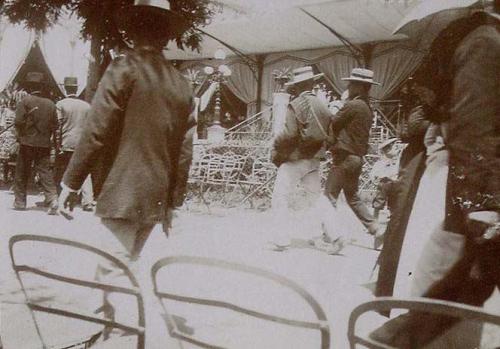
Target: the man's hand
pixel 67 201
pixel 167 223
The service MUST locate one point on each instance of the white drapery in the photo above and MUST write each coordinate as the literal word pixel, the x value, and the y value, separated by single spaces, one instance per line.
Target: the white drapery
pixel 15 44
pixel 392 65
pixel 335 67
pixel 65 53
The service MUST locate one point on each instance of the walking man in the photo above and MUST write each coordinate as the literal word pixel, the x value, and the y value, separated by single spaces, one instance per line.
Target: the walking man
pixel 296 153
pixel 72 112
pixel 36 124
pixel 137 131
pixel 351 127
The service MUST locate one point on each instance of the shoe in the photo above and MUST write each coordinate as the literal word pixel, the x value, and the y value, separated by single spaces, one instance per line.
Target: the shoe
pixel 19 207
pixel 277 247
pixel 42 204
pixel 88 208
pixel 53 208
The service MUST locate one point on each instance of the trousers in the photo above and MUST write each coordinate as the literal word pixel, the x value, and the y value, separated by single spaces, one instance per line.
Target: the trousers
pixel 125 240
pixel 62 161
pixel 40 157
pixel 344 175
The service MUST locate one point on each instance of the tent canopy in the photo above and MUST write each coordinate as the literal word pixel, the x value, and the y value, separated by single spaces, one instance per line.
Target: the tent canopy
pixel 60 48
pixel 264 26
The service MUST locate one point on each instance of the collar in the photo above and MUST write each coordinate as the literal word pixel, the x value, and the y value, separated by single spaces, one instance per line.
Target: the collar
pixel 36 93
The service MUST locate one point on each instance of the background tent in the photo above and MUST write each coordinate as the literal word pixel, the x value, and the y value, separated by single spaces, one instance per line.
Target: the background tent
pixel 58 53
pixel 273 35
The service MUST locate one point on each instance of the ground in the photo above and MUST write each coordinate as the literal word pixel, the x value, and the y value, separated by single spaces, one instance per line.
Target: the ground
pixel 337 282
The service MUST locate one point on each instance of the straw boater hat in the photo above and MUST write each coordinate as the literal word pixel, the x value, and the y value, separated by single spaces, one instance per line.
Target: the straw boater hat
pixel 362 75
pixel 303 74
pixel 155 14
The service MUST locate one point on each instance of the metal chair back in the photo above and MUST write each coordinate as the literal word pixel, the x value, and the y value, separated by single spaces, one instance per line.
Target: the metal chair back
pixel 34 307
pixel 321 325
pixel 428 305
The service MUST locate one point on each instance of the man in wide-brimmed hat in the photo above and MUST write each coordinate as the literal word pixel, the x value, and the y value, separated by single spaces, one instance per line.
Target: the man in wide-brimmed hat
pixel 36 124
pixel 72 113
pixel 136 138
pixel 351 126
pixel 295 151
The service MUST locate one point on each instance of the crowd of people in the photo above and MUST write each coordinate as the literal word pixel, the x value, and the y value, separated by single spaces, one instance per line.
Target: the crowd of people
pixel 443 191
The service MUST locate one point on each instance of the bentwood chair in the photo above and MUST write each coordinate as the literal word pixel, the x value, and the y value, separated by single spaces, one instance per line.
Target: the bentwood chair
pixel 35 307
pixel 242 272
pixel 427 305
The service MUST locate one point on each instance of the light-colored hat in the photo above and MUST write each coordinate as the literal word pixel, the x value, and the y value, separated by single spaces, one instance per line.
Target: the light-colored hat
pixel 387 143
pixel 362 75
pixel 303 74
pixel 130 17
pixel 71 81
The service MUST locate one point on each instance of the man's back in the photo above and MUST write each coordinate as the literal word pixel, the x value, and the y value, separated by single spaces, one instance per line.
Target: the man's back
pixel 136 127
pixel 354 128
pixel 36 120
pixel 71 113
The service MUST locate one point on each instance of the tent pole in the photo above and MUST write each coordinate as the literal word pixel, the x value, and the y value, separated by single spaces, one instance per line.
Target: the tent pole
pixel 260 77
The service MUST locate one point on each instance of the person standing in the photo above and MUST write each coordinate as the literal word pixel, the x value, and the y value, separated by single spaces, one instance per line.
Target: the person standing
pixel 139 134
pixel 351 127
pixel 72 112
pixel 36 124
pixel 295 152
pixel 459 262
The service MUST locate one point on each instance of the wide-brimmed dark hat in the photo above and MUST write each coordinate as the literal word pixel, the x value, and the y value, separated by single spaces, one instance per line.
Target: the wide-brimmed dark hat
pixel 71 81
pixel 34 78
pixel 152 14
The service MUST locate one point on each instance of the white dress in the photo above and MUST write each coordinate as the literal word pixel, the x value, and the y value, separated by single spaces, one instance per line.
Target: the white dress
pixel 427 215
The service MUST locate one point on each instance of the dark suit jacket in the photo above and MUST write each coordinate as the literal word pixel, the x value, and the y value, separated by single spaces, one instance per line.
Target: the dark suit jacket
pixel 474 127
pixel 134 133
pixel 351 125
pixel 36 121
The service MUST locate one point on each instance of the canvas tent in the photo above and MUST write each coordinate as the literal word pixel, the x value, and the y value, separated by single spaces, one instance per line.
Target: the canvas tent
pixel 58 52
pixel 273 34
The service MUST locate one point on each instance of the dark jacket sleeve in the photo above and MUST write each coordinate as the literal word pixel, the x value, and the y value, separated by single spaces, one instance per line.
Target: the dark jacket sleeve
pixel 286 141
pixel 20 120
pixel 104 118
pixel 342 118
pixel 179 187
pixel 474 124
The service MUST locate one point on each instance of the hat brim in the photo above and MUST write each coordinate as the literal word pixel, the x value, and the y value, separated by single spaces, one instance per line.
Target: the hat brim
pixel 387 143
pixel 130 18
pixel 371 82
pixel 314 77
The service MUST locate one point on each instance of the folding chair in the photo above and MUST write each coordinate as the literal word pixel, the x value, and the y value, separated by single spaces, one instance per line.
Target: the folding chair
pixel 320 325
pixel 34 307
pixel 428 305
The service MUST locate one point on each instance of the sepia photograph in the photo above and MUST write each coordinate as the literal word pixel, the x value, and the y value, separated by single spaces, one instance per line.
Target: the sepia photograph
pixel 250 174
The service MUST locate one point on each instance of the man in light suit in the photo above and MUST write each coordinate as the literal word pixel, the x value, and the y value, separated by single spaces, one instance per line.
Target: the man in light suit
pixel 71 113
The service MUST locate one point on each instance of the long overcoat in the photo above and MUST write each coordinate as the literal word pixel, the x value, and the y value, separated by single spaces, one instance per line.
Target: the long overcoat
pixel 136 139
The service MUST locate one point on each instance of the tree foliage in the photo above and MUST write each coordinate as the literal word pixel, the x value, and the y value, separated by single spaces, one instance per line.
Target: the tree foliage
pixel 98 17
